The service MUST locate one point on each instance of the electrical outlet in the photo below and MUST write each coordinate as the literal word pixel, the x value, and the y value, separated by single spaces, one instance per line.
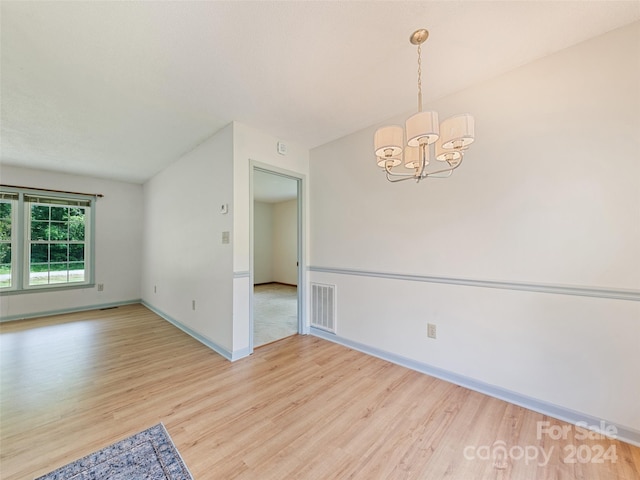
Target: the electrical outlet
pixel 101 287
pixel 225 237
pixel 431 330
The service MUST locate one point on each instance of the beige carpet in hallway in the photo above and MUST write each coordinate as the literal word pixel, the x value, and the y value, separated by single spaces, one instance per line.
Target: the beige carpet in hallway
pixel 275 312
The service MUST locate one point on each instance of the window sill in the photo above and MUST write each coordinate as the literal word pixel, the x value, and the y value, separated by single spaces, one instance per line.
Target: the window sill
pixel 47 289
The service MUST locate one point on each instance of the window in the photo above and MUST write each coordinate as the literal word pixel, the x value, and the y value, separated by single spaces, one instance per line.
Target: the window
pixel 7 209
pixel 45 240
pixel 57 240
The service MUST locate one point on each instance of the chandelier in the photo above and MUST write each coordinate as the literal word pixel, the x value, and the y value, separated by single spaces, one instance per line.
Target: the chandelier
pixel 426 138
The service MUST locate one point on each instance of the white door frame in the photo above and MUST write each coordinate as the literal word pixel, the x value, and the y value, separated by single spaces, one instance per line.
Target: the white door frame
pixel 303 325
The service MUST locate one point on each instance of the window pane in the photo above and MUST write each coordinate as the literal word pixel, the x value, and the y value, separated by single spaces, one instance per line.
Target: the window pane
pixel 5 210
pixel 39 274
pixel 5 265
pixel 59 273
pixel 5 230
pixel 76 253
pixel 59 252
pixel 59 213
pixel 76 226
pixel 39 230
pixel 5 221
pixel 39 212
pixel 5 253
pixel 76 272
pixel 5 276
pixel 39 253
pixel 58 231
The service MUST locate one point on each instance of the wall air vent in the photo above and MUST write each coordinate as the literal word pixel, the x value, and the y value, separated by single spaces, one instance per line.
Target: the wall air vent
pixel 323 307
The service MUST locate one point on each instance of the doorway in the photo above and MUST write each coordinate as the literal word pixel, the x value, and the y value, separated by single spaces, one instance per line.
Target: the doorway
pixel 276 256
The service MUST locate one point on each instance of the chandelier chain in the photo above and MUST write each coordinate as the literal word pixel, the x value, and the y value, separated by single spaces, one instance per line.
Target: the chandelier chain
pixel 419 78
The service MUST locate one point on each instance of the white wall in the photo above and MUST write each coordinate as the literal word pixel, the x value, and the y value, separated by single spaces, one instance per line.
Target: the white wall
pixel 548 194
pixel 183 255
pixel 118 243
pixel 263 244
pixel 253 145
pixel 285 242
pixel 275 247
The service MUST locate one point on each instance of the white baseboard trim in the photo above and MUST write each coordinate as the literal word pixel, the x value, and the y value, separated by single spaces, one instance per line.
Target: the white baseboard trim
pixel 231 356
pixel 50 313
pixel 238 354
pixel 625 434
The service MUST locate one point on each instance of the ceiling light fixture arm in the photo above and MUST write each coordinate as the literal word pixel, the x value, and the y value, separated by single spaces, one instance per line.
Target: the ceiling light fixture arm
pixel 421 171
pixel 408 176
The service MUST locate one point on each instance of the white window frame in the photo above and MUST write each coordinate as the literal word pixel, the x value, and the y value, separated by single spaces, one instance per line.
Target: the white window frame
pixel 13 243
pixel 20 240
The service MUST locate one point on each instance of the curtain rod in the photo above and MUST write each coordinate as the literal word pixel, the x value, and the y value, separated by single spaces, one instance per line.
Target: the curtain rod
pixel 98 195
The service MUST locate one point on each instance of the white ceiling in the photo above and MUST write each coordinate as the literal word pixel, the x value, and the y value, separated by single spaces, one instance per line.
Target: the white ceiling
pixel 273 188
pixel 121 89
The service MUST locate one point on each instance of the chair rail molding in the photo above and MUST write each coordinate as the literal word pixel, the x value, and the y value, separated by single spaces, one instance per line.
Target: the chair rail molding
pixel 584 291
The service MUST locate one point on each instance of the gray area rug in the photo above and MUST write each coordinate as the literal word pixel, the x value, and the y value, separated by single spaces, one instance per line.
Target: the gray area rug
pixel 146 455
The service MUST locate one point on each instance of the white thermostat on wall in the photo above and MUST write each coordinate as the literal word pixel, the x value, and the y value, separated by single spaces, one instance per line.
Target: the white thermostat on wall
pixel 282 148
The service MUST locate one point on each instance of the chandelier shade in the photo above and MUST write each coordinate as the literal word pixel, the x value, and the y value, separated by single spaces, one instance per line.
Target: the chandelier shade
pixel 389 162
pixel 423 127
pixel 412 157
pixel 388 144
pixel 423 137
pixel 457 131
pixel 453 157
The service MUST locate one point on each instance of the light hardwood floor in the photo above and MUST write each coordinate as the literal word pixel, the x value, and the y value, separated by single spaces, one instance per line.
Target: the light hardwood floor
pixel 300 408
